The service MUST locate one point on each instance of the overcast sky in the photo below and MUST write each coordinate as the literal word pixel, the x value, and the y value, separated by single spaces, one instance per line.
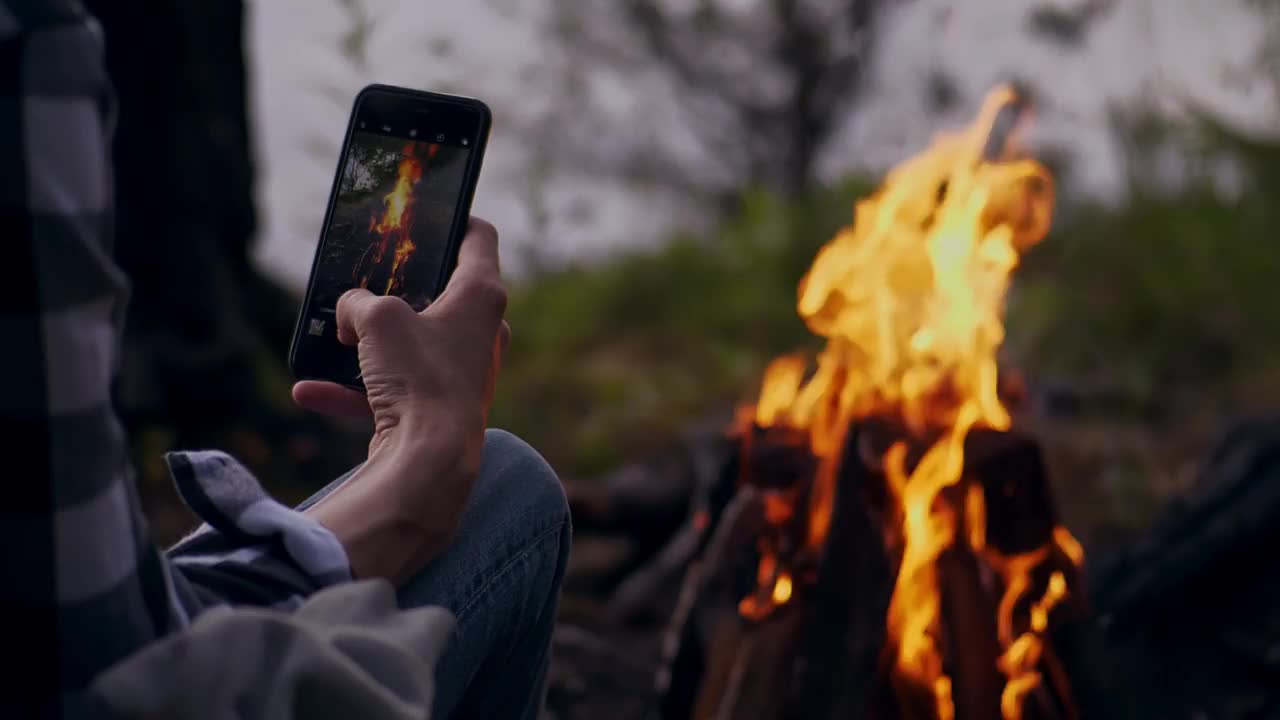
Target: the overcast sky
pixel 302 85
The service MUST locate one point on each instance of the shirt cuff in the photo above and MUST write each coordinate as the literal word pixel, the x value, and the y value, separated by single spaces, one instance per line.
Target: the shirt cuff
pixel 244 527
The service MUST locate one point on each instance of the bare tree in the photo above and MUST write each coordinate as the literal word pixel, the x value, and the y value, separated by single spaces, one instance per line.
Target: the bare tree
pixel 1067 27
pixel 758 87
pixel 1268 61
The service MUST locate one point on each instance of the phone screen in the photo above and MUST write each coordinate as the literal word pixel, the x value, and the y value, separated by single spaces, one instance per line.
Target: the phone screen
pixel 389 230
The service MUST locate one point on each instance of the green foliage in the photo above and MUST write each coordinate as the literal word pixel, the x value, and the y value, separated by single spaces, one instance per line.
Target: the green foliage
pixel 609 361
pixel 1168 292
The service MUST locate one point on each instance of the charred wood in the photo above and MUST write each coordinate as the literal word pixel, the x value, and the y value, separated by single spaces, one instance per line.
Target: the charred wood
pixel 1188 619
pixel 833 660
pixel 1180 624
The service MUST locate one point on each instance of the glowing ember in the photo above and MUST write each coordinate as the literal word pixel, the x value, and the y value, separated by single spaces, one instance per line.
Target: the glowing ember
pixel 911 299
pixel 782 589
pixel 394 226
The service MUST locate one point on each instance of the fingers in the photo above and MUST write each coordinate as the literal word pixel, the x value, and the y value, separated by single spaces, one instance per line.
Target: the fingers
pixel 476 284
pixel 479 249
pixel 360 312
pixel 330 399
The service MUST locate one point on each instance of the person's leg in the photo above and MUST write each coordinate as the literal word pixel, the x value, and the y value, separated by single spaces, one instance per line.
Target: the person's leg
pixel 501 578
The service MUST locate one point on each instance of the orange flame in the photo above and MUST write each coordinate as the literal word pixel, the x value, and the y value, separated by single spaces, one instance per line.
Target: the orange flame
pixel 396 222
pixel 911 300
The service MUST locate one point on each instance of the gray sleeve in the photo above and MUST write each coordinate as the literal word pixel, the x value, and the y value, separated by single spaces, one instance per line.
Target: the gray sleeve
pixel 347 652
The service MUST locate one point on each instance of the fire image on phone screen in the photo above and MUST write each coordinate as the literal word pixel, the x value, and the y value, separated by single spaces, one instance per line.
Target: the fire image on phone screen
pixel 389 229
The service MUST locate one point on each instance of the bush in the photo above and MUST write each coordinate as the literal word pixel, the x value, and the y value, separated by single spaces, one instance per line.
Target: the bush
pixel 611 360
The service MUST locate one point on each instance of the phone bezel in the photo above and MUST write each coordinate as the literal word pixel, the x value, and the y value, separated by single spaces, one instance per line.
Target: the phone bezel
pixel 399 100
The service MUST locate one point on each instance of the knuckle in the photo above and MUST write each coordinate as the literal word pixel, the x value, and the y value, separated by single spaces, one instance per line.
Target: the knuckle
pixel 383 311
pixel 492 294
pixel 350 298
pixel 485 229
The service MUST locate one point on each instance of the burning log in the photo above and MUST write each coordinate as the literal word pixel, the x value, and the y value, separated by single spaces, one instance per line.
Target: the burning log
pixel 843 664
pixel 823 655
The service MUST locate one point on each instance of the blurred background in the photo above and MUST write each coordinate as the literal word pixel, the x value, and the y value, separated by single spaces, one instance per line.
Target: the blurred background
pixel 662 173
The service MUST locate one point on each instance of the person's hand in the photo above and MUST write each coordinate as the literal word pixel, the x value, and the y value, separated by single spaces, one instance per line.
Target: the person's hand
pixel 429 379
pixel 434 370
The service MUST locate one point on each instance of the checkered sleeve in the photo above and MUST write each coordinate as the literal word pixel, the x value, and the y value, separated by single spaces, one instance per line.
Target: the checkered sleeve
pixel 83 585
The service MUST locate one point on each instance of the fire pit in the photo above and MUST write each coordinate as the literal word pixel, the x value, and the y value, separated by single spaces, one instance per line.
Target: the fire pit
pixel 891 548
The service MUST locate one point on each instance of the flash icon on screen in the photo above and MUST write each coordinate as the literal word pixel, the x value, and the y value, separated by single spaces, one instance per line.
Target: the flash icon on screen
pixel 316 327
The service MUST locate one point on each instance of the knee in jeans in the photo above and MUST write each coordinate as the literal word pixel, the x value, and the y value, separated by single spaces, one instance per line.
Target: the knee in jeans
pixel 518 474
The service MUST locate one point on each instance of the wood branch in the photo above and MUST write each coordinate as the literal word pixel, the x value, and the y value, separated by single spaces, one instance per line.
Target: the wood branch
pixel 971 645
pixel 1005 123
pixel 1020 509
pixel 734 113
pixel 1188 613
pixel 633 598
pixel 695 73
pixel 1233 516
pixel 845 632
pixel 593 675
pixel 685 651
pixel 751 669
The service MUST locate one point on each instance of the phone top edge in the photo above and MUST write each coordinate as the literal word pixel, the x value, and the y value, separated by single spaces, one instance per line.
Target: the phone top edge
pixel 374 88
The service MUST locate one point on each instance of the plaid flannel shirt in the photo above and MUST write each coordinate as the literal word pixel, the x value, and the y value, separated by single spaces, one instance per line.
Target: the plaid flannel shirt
pixel 83 586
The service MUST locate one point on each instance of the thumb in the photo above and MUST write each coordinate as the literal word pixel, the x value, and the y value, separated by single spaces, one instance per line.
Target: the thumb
pixel 362 313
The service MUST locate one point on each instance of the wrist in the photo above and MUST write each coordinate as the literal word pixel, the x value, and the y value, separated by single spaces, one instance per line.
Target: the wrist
pixel 420 431
pixel 427 464
pixel 384 515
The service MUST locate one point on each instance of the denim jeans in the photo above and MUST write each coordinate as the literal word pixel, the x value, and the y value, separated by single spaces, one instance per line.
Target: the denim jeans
pixel 501 578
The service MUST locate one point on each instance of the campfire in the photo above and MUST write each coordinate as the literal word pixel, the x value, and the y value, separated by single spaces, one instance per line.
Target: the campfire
pixel 890 548
pixel 393 227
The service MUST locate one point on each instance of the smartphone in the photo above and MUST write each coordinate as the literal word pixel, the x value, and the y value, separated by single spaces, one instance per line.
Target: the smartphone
pixel 398 211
